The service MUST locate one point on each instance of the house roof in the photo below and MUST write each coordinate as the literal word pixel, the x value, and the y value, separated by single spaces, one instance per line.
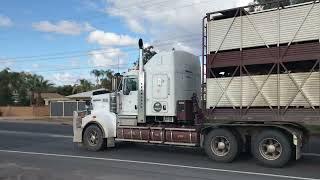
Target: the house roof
pixel 84 95
pixel 50 95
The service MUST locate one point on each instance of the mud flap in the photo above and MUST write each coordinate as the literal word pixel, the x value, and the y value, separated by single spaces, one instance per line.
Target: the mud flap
pixel 111 142
pixel 297 141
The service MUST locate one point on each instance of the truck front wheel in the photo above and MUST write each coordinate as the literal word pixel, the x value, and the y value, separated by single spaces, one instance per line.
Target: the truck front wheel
pixel 272 148
pixel 221 145
pixel 93 138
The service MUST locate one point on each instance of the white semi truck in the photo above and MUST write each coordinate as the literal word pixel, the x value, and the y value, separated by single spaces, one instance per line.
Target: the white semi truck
pixel 259 85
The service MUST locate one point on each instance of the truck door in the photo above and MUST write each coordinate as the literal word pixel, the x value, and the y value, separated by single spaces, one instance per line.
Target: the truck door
pixel 129 96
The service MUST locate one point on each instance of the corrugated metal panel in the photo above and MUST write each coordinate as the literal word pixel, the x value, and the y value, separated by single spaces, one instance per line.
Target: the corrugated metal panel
pixel 263 27
pixel 69 107
pixel 288 91
pixel 56 108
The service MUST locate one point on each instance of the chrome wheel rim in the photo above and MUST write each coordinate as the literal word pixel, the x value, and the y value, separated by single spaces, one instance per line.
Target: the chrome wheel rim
pixel 220 145
pixel 93 138
pixel 270 149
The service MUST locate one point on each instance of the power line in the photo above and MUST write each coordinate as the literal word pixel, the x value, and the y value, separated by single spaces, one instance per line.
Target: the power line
pixel 56 54
pixel 62 57
pixel 46 58
pixel 117 66
pixel 80 68
pixel 173 38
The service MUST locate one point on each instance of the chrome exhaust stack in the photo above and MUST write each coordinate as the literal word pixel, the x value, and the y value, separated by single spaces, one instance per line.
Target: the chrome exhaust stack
pixel 141 88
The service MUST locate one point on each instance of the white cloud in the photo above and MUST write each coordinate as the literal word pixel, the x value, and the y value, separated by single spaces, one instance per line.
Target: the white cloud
pixel 5 21
pixel 177 21
pixel 64 78
pixel 244 2
pixel 110 39
pixel 109 58
pixel 67 78
pixel 135 26
pixel 62 27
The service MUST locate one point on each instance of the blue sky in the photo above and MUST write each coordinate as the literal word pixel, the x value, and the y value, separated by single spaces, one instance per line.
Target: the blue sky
pixel 58 39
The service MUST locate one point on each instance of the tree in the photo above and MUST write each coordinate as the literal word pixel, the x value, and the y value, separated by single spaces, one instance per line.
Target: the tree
pixel 42 85
pixel 103 78
pixel 5 93
pixel 269 4
pixel 84 85
pixel 148 53
pixel 19 88
pixel 37 84
pixel 13 88
pixel 65 90
pixel 32 86
pixel 106 81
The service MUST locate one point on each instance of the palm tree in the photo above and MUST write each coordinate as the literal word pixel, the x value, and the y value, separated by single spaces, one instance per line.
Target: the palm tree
pixel 97 73
pixel 37 84
pixel 32 86
pixel 108 74
pixel 106 81
pixel 42 86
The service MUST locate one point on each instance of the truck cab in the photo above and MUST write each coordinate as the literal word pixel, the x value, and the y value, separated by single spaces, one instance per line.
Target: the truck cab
pixel 156 93
pixel 128 95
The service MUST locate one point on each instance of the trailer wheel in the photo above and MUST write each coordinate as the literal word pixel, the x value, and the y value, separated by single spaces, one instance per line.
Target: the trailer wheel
pixel 93 138
pixel 221 145
pixel 272 148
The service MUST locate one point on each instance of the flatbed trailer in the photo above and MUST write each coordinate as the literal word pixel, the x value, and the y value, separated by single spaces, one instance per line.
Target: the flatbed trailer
pixel 255 97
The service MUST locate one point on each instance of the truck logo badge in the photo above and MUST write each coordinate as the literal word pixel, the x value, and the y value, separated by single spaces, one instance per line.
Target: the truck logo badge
pixel 157 107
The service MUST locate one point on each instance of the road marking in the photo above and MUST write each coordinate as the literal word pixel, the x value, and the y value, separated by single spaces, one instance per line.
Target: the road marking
pixel 35 133
pixel 311 154
pixel 160 164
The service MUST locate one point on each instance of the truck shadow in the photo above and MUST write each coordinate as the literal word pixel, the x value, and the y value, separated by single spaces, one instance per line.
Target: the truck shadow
pixel 198 156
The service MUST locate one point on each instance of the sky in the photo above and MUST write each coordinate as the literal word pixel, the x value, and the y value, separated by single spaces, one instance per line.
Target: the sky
pixel 64 40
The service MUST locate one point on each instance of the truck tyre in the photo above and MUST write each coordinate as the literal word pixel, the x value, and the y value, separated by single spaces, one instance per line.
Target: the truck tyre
pixel 221 145
pixel 93 138
pixel 272 148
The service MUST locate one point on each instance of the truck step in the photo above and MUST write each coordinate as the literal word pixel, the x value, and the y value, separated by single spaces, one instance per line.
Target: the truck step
pixel 125 120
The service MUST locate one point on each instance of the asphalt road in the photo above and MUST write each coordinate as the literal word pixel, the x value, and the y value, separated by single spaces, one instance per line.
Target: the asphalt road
pixel 46 151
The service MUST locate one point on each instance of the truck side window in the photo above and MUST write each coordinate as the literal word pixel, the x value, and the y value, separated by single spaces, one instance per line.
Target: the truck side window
pixel 130 84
